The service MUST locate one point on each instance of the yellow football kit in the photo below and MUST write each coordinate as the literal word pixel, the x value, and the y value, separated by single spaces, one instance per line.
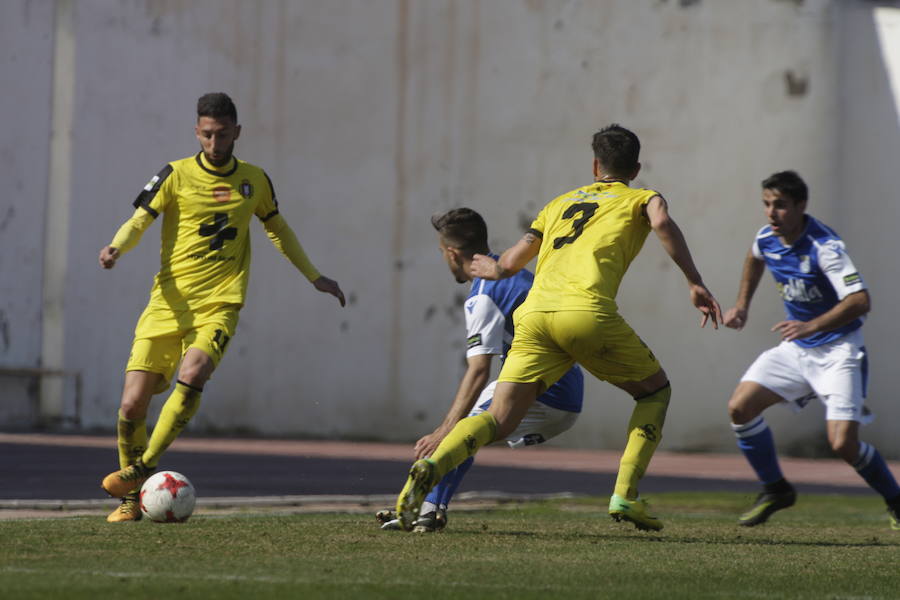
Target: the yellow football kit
pixel 589 237
pixel 204 256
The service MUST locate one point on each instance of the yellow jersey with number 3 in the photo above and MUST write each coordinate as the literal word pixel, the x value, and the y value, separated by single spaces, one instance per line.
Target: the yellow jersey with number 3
pixel 589 237
pixel 205 251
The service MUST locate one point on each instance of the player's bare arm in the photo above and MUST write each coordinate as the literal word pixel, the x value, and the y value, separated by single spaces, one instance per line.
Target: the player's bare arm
pixel 108 257
pixel 847 310
pixel 511 261
pixel 736 316
pixel 676 247
pixel 470 387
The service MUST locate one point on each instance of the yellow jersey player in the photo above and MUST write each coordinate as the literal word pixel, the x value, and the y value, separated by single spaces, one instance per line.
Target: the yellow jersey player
pixel 584 241
pixel 206 202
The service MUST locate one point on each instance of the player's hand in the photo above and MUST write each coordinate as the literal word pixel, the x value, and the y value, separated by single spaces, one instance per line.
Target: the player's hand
pixel 330 286
pixel 703 299
pixel 427 444
pixel 793 330
pixel 108 257
pixel 485 267
pixel 735 318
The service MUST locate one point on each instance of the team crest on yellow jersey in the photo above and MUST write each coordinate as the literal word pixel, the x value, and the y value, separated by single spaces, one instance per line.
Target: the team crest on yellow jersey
pixel 209 253
pixel 246 189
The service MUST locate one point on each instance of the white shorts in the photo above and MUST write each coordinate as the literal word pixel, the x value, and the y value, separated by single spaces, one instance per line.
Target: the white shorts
pixel 540 423
pixel 836 373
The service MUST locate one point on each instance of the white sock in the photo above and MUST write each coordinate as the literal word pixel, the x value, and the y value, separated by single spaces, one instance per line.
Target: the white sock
pixel 427 507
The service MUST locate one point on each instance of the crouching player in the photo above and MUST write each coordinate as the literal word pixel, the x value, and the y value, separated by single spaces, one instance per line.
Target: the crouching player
pixel 488 309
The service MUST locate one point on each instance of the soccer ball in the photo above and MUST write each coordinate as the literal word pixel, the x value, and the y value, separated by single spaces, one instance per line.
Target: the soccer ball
pixel 168 497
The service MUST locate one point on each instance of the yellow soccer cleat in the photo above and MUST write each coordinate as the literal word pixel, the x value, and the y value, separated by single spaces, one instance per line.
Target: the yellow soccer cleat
pixel 119 483
pixel 418 484
pixel 388 520
pixel 129 509
pixel 385 516
pixel 894 516
pixel 767 503
pixel 634 511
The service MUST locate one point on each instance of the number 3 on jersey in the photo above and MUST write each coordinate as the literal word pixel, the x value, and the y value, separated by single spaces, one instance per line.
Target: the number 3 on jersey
pixel 586 210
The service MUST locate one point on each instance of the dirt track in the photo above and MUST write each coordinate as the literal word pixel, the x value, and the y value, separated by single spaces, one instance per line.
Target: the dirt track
pixel 58 475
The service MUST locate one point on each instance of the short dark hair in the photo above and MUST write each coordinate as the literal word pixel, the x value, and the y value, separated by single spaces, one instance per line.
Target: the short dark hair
pixel 216 105
pixel 617 149
pixel 463 229
pixel 789 184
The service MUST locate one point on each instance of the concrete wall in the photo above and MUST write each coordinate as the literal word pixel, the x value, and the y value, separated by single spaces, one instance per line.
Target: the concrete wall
pixel 867 201
pixel 26 61
pixel 370 116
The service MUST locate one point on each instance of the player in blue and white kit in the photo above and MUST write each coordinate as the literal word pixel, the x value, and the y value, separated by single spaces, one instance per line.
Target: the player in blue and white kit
pixel 821 354
pixel 489 330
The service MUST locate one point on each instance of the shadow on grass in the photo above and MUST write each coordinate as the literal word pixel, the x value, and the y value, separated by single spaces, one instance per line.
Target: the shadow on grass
pixel 738 540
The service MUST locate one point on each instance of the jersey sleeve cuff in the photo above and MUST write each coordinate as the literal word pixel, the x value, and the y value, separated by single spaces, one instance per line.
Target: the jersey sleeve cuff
pixel 481 350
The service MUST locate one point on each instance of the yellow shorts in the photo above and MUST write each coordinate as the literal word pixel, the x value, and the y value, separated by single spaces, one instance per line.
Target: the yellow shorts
pixel 163 335
pixel 547 344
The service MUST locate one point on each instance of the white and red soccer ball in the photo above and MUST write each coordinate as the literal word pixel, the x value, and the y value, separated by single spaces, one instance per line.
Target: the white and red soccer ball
pixel 168 497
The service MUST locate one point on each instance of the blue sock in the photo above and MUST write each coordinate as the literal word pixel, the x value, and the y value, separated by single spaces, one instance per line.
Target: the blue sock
pixel 756 442
pixel 874 470
pixel 435 494
pixel 445 489
pixel 441 493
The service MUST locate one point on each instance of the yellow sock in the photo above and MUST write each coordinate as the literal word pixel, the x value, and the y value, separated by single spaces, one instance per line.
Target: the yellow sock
pixel 132 437
pixel 463 441
pixel 644 434
pixel 176 412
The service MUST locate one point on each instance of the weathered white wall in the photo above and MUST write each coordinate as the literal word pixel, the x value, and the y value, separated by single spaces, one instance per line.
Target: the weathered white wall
pixel 370 116
pixel 866 198
pixel 26 53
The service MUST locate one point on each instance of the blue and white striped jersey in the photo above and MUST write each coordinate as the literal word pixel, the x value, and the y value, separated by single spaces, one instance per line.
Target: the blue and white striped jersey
pixel 812 276
pixel 489 330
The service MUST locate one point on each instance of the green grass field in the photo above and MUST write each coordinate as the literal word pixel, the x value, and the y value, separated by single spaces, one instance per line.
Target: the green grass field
pixel 825 547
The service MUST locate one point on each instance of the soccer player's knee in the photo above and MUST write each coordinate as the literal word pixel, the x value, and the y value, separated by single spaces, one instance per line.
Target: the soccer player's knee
pixel 505 427
pixel 503 430
pixel 195 374
pixel 845 447
pixel 131 411
pixel 739 412
pixel 133 407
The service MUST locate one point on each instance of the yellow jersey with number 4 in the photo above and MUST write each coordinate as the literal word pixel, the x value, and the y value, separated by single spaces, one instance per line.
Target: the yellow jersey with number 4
pixel 589 238
pixel 205 252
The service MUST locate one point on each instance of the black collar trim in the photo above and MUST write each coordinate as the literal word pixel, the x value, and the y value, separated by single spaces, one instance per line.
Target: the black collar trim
pixel 216 173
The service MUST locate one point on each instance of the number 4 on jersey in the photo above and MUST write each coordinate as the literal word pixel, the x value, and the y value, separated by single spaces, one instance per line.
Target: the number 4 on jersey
pixel 587 210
